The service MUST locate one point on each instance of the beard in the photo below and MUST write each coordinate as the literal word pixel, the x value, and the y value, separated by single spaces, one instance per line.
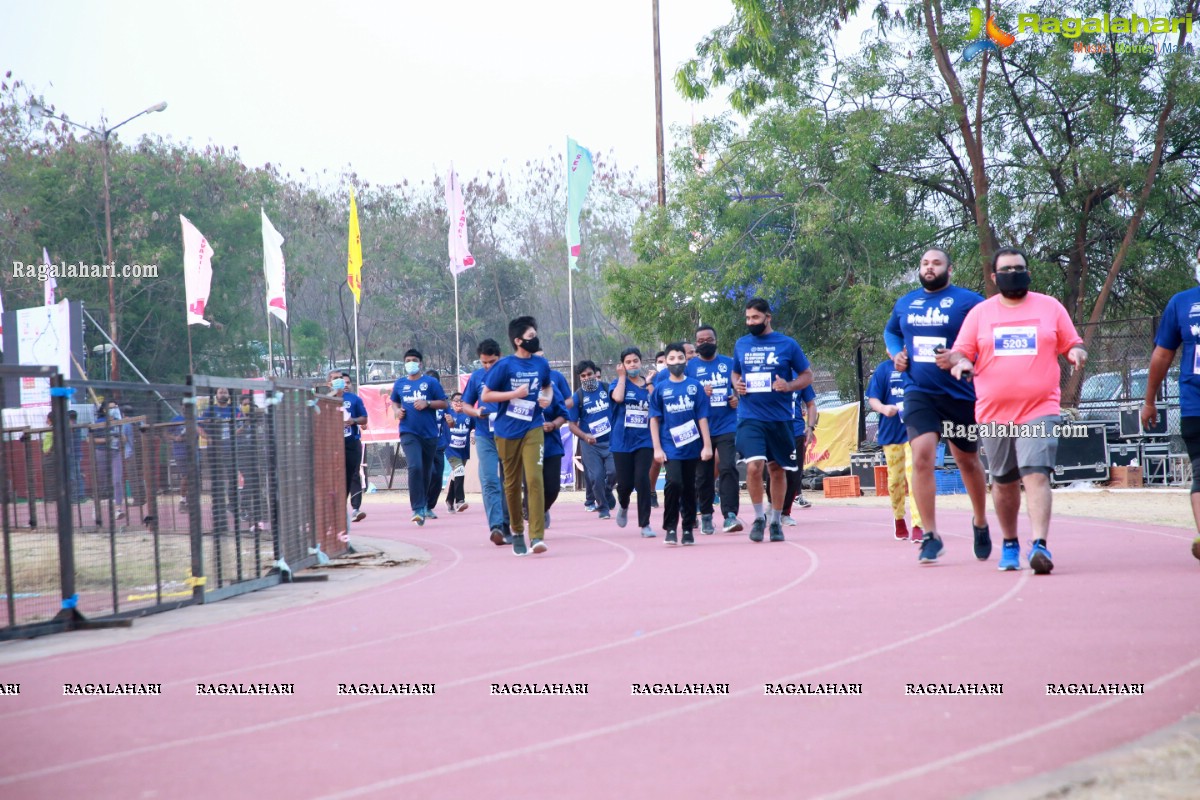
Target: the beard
pixel 936 282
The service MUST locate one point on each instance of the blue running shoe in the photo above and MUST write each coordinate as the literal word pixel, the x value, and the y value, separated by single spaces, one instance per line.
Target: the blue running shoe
pixel 1039 558
pixel 428 514
pixel 1010 555
pixel 931 548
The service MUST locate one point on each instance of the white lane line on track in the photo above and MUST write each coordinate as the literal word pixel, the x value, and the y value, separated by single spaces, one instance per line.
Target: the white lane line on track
pixel 999 744
pixel 620 727
pixel 629 556
pixel 299 718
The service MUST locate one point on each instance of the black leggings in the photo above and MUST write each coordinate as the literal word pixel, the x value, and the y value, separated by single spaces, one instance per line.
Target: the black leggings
pixel 633 472
pixel 551 482
pixel 681 492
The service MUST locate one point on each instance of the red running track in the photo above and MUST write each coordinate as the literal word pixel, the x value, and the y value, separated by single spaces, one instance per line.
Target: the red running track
pixel 839 602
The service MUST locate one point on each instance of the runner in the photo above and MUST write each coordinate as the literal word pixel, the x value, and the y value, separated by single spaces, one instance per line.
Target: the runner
pixel 519 384
pixel 591 422
pixel 1011 342
pixel 460 425
pixel 924 323
pixel 632 447
pixel 679 430
pixel 418 400
pixel 354 416
pixel 554 417
pixel 715 373
pixel 804 422
pixel 885 395
pixel 768 367
pixel 494 504
pixel 437 473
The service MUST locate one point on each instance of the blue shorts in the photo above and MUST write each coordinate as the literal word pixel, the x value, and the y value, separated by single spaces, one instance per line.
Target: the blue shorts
pixel 757 440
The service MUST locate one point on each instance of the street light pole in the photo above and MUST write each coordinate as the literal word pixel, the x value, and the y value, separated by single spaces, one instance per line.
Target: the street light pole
pixel 104 133
pixel 658 115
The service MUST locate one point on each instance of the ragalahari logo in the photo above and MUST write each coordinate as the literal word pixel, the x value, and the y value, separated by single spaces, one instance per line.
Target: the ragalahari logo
pixel 987 37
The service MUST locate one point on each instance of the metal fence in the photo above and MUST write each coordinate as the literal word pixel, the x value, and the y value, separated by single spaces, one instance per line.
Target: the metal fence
pixel 156 496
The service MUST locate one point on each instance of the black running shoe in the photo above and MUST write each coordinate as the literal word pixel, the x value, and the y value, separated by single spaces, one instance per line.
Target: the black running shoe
pixel 776 532
pixel 688 538
pixel 983 542
pixel 757 529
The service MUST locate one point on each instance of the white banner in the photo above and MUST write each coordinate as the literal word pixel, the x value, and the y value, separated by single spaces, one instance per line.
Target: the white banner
pixel 51 285
pixel 197 272
pixel 460 253
pixel 44 339
pixel 273 268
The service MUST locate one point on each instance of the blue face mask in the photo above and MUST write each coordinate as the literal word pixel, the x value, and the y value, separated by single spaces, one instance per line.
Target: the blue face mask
pixel 412 367
pixel 338 384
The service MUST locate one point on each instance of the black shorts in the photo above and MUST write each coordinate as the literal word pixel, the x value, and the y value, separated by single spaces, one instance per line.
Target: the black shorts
pixel 1189 429
pixel 757 440
pixel 925 413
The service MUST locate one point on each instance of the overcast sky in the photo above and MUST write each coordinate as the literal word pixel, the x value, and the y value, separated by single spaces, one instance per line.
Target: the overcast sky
pixel 396 90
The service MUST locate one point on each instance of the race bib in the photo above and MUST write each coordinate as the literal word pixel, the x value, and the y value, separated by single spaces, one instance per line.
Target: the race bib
pixel 925 346
pixel 636 417
pixel 1015 340
pixel 599 427
pixel 1196 360
pixel 458 472
pixel 719 396
pixel 685 433
pixel 521 409
pixel 900 409
pixel 458 441
pixel 349 431
pixel 758 382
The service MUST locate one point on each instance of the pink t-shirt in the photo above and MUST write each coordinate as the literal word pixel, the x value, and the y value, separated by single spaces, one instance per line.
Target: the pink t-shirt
pixel 1015 350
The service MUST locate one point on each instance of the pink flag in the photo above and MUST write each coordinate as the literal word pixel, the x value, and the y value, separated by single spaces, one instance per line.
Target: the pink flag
pixel 197 272
pixel 50 284
pixel 460 254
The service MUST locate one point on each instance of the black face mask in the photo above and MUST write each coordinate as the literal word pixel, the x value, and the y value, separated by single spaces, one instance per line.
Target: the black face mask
pixel 937 282
pixel 1013 285
pixel 677 369
pixel 757 330
pixel 531 346
pixel 706 350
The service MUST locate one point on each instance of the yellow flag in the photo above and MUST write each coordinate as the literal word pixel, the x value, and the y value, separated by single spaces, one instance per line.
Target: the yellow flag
pixel 354 262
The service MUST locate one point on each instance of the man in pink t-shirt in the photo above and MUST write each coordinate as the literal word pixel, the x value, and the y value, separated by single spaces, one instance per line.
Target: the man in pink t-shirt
pixel 1011 342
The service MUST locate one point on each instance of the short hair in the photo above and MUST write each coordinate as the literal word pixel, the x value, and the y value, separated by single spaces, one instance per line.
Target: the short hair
pixel 758 304
pixel 412 351
pixel 345 375
pixel 584 366
pixel 676 347
pixel 945 255
pixel 630 351
pixel 517 328
pixel 1009 251
pixel 707 328
pixel 660 354
pixel 488 347
pixel 455 394
pixel 433 373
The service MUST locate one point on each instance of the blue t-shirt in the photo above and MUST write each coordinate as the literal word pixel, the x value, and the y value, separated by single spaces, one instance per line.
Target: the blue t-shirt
pixel 679 406
pixel 1180 325
pixel 926 320
pixel 561 385
pixel 887 386
pixel 407 391
pixel 760 360
pixel 460 435
pixel 631 420
pixel 179 450
pixel 718 374
pixel 593 413
pixel 553 445
pixel 515 418
pixel 216 421
pixel 471 395
pixel 443 431
pixel 800 401
pixel 353 404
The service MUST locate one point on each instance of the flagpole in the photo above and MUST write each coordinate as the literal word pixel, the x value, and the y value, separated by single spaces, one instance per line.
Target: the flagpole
pixel 270 348
pixel 571 311
pixel 191 368
pixel 357 361
pixel 457 341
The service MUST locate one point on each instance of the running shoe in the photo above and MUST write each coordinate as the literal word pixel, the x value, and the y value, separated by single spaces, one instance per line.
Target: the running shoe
pixel 589 506
pixel 688 538
pixel 983 542
pixel 518 544
pixel 786 520
pixel 901 531
pixel 706 524
pixel 654 499
pixel 1010 556
pixel 497 536
pixel 429 514
pixel 450 509
pixel 801 502
pixel 648 532
pixel 462 507
pixel 604 515
pixel 931 548
pixel 732 524
pixel 1039 558
pixel 757 529
pixel 918 533
pixel 359 516
pixel 539 546
pixel 670 537
pixel 418 517
pixel 776 532
pixel 622 517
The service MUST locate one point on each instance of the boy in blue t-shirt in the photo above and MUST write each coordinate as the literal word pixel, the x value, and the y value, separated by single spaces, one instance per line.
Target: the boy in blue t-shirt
pixel 591 418
pixel 679 430
pixel 885 394
pixel 459 425
pixel 419 400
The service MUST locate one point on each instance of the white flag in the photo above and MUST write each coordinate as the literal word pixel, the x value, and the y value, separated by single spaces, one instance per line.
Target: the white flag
pixel 274 269
pixel 197 272
pixel 460 254
pixel 50 285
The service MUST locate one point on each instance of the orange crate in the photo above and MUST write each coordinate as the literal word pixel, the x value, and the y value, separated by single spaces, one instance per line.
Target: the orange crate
pixel 845 486
pixel 881 479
